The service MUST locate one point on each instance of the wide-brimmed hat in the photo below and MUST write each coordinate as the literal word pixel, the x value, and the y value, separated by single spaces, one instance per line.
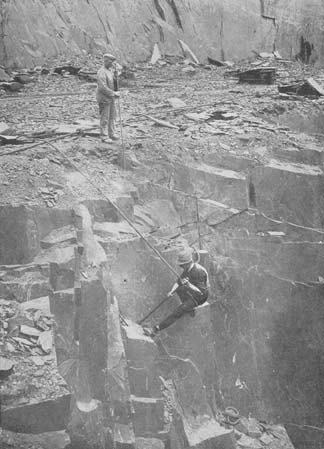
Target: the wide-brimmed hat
pixel 184 256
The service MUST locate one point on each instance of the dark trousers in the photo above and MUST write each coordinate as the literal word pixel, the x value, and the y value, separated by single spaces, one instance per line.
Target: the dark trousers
pixel 189 302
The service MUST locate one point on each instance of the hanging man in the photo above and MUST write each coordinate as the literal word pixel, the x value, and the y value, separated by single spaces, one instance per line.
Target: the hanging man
pixel 191 287
pixel 106 97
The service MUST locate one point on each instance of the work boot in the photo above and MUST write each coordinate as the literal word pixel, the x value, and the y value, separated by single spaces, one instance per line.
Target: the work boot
pixel 106 139
pixel 114 137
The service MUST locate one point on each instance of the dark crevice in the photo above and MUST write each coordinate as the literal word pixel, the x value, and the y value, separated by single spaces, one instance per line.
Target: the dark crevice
pixel 176 13
pixel 252 195
pixel 159 9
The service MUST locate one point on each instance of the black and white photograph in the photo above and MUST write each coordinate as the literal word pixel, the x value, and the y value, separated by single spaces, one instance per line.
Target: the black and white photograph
pixel 161 224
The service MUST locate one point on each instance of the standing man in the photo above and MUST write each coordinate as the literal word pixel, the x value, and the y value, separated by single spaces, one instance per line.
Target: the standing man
pixel 106 97
pixel 191 287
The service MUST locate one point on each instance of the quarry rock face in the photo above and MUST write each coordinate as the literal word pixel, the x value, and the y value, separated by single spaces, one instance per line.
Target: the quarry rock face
pixel 223 29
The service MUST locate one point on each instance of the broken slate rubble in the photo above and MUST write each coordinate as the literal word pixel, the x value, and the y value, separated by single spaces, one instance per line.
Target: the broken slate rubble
pixel 310 87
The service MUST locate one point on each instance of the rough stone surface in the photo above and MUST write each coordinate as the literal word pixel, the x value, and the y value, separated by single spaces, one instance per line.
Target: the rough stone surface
pixel 205 181
pixel 24 285
pixel 204 435
pixel 193 371
pixel 148 415
pixel 22 229
pixel 48 440
pixel 141 354
pixel 93 333
pixel 263 297
pixel 133 267
pixel 63 308
pixel 101 25
pixel 290 191
pixel 42 416
pixel 149 443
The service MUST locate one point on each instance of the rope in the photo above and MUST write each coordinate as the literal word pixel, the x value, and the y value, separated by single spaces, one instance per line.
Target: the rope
pixel 49 95
pixel 198 222
pixel 305 427
pixel 121 213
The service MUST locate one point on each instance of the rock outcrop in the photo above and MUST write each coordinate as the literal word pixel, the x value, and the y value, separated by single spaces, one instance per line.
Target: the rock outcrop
pixel 224 29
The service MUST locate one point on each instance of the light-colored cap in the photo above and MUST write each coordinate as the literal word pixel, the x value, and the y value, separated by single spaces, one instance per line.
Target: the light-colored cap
pixel 185 256
pixel 109 56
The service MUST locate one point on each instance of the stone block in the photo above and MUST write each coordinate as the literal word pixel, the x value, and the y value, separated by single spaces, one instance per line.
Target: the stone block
pixel 29 286
pixel 214 212
pixel 93 332
pixel 222 185
pixel 63 308
pixel 37 417
pixel 309 154
pixel 62 276
pixel 184 205
pixel 18 235
pixel 133 267
pixel 42 304
pixel 62 255
pixel 65 235
pixel 205 434
pixel 103 210
pixel 229 161
pixel 88 430
pixel 112 230
pixel 294 192
pixel 124 437
pixel 192 370
pixel 47 440
pixel 148 415
pixel 141 354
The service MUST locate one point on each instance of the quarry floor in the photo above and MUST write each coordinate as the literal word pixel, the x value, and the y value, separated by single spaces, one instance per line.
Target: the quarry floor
pixel 260 126
pixel 261 123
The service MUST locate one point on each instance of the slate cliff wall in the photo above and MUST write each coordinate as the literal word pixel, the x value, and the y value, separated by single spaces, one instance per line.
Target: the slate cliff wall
pixel 33 30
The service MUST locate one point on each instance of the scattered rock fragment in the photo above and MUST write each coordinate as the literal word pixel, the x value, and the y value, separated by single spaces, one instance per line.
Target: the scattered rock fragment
pixel 67 69
pixel 188 52
pixel 11 86
pixel 156 54
pixel 216 62
pixel 45 341
pixel 310 87
pixel 29 331
pixel 5 129
pixel 176 102
pixel 24 78
pixel 6 368
pixel 4 75
pixel 164 123
pixel 87 75
pixel 188 69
